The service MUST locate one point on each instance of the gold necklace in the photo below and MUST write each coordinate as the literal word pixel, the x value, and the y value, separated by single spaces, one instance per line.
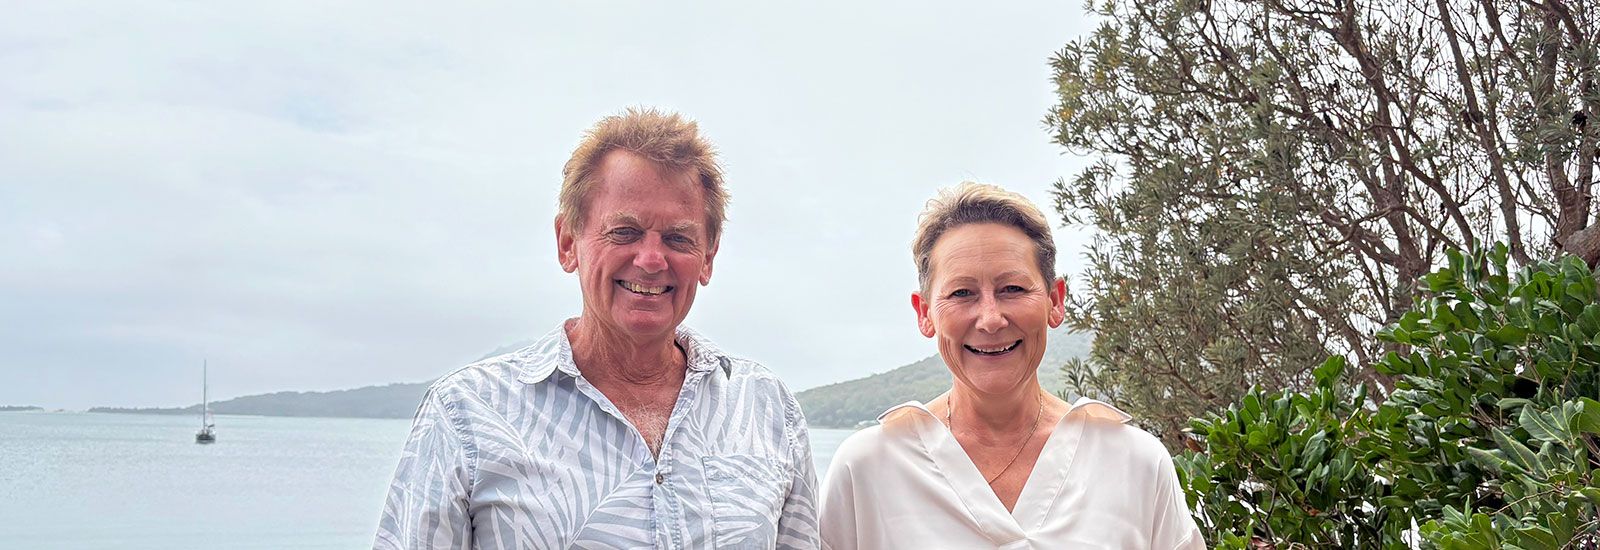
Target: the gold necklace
pixel 950 406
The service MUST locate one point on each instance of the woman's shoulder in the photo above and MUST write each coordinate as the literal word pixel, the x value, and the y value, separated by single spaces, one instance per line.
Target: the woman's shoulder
pixel 1110 431
pixel 895 429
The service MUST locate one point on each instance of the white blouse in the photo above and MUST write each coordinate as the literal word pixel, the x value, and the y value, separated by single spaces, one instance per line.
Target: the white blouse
pixel 1099 483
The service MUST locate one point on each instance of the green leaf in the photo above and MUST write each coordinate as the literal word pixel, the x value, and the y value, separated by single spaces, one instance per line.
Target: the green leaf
pixel 1535 536
pixel 1546 425
pixel 1508 335
pixel 1330 370
pixel 1487 460
pixel 1588 420
pixel 1516 453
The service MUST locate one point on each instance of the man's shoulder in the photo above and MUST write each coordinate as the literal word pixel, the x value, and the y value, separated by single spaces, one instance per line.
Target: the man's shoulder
pixel 735 367
pixel 749 368
pixel 498 371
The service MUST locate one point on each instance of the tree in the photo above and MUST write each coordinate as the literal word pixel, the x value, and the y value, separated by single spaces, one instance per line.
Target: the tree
pixel 1271 177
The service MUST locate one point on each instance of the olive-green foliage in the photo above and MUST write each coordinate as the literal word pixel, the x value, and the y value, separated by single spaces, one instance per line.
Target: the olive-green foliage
pixel 1268 177
pixel 1489 440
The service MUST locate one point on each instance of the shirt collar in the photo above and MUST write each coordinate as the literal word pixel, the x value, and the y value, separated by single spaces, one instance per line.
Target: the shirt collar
pixel 1092 407
pixel 553 353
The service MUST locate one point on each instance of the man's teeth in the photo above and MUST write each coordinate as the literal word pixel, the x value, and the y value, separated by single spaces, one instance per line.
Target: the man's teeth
pixel 641 289
pixel 995 351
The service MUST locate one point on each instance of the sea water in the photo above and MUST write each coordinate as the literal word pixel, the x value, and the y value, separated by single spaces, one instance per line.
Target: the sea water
pixel 87 480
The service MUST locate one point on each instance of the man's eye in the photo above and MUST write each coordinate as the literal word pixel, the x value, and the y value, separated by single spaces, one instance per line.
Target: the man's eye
pixel 961 293
pixel 1013 289
pixel 625 232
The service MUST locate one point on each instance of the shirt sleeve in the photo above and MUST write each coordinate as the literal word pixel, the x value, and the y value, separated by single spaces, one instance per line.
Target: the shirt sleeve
pixel 1174 526
pixel 427 502
pixel 797 522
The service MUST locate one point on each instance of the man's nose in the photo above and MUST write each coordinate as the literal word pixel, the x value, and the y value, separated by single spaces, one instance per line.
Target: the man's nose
pixel 652 256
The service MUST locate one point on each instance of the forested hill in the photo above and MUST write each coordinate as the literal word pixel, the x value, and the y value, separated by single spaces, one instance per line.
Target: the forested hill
pixel 391 401
pixel 398 400
pixel 840 405
pixel 846 404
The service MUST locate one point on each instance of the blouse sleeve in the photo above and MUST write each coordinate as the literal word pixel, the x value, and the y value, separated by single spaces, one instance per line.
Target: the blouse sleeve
pixel 838 516
pixel 1175 528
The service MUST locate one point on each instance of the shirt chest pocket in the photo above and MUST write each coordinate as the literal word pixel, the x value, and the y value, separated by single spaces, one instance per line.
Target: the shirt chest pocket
pixel 746 494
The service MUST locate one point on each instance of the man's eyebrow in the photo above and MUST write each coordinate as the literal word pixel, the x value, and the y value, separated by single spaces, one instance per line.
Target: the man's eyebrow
pixel 623 219
pixel 684 227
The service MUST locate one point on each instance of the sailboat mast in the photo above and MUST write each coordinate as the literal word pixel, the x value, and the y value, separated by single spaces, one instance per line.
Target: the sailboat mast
pixel 205 396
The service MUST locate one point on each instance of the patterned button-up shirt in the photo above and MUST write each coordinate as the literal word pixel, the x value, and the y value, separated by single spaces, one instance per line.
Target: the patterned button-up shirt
pixel 520 451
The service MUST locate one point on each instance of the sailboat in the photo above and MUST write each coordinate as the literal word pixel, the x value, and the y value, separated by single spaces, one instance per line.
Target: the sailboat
pixel 207 433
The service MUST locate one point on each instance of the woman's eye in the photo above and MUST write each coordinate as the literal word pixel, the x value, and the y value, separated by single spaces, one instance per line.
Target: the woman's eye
pixel 1013 289
pixel 962 293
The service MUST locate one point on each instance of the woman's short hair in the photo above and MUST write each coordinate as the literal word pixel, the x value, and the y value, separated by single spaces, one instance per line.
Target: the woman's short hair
pixel 970 203
pixel 667 139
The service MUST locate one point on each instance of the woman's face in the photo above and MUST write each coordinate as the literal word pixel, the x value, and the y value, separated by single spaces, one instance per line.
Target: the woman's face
pixel 988 306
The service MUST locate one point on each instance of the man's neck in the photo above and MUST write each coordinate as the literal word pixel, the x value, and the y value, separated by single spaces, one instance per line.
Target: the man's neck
pixel 642 378
pixel 605 357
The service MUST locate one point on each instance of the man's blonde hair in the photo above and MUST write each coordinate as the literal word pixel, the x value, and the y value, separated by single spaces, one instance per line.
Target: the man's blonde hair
pixel 970 203
pixel 666 139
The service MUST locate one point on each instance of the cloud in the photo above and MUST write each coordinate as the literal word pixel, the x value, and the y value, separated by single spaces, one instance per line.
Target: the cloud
pixel 315 196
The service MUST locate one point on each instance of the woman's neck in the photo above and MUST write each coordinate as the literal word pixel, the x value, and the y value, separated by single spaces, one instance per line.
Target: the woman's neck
pixel 996 413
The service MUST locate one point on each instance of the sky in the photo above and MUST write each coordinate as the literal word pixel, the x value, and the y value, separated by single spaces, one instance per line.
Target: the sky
pixel 316 196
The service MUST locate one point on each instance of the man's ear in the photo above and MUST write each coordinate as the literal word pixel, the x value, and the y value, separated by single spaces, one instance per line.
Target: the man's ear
pixel 1058 302
pixel 566 245
pixel 711 255
pixel 924 323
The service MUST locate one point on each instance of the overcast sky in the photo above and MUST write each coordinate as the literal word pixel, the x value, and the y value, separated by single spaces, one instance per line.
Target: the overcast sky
pixel 317 196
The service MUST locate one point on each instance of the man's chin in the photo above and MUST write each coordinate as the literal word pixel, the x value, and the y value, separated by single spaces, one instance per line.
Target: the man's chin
pixel 645 326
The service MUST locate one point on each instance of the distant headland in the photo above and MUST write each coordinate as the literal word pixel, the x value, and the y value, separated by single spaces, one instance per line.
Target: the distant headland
pixel 841 405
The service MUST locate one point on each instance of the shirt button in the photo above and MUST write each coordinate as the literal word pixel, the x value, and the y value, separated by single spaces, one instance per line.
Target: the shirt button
pixel 660 477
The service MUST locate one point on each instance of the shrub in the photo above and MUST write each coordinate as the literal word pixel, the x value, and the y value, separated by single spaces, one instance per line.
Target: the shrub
pixel 1488 441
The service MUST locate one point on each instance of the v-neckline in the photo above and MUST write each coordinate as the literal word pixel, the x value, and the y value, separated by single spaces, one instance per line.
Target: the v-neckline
pixel 1039 492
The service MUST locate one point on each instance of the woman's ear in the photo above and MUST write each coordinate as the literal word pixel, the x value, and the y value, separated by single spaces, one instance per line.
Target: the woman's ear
pixel 1058 302
pixel 924 323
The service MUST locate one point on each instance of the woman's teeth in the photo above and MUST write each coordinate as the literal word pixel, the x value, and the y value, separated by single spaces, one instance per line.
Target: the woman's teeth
pixel 645 290
pixel 994 351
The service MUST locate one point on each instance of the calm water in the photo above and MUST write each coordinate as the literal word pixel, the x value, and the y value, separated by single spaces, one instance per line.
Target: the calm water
pixel 80 480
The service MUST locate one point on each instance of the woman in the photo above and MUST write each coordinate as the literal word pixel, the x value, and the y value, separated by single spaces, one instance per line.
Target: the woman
pixel 997 461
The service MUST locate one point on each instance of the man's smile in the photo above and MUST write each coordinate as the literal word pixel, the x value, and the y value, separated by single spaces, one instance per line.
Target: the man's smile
pixel 644 290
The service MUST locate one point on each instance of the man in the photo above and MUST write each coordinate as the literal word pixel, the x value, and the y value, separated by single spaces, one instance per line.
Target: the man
pixel 620 428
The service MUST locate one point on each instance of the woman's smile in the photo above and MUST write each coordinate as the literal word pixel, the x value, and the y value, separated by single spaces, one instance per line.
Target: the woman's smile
pixel 995 350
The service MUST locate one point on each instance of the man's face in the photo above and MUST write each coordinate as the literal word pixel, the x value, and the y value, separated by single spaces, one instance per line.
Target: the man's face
pixel 643 247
